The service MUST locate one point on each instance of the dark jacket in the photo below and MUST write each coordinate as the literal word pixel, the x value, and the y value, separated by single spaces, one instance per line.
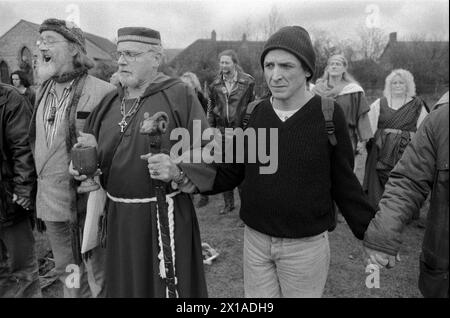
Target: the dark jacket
pixel 228 110
pixel 422 168
pixel 17 167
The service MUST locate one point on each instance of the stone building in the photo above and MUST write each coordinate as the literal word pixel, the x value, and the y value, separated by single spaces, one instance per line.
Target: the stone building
pixel 18 49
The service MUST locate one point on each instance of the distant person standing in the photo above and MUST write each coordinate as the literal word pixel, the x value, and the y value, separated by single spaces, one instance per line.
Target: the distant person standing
pixel 394 118
pixel 230 93
pixel 338 84
pixel 19 80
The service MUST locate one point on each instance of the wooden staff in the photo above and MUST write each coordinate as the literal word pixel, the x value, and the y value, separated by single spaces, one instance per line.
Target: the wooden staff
pixel 154 127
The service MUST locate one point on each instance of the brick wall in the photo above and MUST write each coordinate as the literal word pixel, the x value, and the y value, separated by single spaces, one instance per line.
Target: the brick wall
pixel 12 43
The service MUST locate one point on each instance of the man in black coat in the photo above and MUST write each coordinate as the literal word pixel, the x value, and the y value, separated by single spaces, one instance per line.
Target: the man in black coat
pixel 19 278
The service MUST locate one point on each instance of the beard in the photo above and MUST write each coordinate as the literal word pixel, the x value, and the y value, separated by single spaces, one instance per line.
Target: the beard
pixel 128 80
pixel 45 70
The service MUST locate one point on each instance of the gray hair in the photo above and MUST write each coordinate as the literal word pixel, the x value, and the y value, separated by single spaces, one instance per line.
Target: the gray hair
pixel 81 59
pixel 404 75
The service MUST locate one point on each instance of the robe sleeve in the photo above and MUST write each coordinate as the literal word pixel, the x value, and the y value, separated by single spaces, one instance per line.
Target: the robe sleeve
pixel 364 128
pixel 200 174
pixel 374 114
pixel 346 189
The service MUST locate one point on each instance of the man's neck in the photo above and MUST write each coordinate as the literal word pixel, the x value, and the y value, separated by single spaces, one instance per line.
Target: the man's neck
pixel 137 91
pixel 59 88
pixel 229 76
pixel 334 80
pixel 295 102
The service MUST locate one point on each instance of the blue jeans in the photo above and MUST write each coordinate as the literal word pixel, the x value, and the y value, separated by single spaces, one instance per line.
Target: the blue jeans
pixel 282 267
pixel 19 274
pixel 91 278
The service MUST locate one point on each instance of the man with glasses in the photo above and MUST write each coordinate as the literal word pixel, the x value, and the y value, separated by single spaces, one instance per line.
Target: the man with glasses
pixel 64 100
pixel 138 261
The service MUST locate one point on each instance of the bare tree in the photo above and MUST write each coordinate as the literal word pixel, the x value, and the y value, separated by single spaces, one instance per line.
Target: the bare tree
pixel 274 22
pixel 371 43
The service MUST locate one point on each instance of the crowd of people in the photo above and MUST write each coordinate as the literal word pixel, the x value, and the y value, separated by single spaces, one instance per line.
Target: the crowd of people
pixel 144 238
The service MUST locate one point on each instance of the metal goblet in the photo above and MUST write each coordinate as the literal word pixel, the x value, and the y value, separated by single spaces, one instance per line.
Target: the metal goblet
pixel 84 160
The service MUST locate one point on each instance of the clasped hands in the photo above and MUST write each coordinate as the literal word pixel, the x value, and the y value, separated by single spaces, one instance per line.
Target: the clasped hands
pixel 379 258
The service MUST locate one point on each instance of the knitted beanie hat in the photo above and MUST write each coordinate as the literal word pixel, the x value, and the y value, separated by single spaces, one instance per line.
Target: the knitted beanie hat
pixel 67 29
pixel 295 40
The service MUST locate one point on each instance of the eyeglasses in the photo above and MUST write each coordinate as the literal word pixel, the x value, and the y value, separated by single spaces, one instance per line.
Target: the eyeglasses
pixel 48 41
pixel 129 56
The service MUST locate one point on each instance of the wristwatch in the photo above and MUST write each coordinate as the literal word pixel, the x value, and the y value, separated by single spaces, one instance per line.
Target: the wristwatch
pixel 179 179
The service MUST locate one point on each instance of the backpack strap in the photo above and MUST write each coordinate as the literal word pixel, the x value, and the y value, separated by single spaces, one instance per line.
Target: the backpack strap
pixel 328 110
pixel 248 113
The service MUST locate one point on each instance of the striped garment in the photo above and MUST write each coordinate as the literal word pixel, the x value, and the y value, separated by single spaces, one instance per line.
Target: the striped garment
pixel 54 110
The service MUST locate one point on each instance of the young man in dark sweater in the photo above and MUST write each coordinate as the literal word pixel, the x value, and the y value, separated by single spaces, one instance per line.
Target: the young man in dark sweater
pixel 287 213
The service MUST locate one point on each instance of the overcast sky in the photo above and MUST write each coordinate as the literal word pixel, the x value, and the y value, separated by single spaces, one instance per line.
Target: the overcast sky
pixel 181 22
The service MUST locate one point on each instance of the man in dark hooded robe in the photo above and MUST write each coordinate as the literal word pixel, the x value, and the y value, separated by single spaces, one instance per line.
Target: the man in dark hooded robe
pixel 134 262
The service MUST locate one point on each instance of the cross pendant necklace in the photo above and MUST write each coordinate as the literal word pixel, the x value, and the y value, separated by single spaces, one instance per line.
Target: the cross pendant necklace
pixel 123 123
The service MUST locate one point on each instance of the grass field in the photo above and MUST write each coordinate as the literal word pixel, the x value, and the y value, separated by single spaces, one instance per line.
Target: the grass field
pixel 347 274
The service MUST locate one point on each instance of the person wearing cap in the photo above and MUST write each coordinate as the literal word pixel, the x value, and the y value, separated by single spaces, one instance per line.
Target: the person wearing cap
pixel 422 169
pixel 136 248
pixel 229 94
pixel 63 102
pixel 287 214
pixel 337 83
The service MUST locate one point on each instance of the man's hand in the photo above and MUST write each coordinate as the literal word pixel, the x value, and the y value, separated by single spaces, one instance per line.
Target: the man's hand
pixel 161 167
pixel 86 140
pixel 22 201
pixel 379 258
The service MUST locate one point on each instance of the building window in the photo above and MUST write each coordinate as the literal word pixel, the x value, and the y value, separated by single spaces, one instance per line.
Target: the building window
pixel 26 63
pixel 26 55
pixel 4 72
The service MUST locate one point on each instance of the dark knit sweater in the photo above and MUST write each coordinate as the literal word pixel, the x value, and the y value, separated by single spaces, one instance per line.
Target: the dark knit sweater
pixel 297 200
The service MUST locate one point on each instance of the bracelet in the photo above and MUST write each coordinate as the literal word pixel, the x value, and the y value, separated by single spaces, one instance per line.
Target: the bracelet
pixel 180 178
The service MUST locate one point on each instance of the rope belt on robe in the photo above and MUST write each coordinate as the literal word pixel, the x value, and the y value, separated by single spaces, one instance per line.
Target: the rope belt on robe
pixel 169 200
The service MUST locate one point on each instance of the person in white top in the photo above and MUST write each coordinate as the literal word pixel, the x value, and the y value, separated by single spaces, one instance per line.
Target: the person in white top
pixel 394 118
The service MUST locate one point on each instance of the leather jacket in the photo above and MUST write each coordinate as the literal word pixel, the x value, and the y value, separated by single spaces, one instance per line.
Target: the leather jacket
pixel 227 110
pixel 18 174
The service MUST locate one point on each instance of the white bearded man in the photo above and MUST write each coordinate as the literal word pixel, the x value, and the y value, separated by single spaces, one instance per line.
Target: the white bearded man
pixel 64 100
pixel 135 233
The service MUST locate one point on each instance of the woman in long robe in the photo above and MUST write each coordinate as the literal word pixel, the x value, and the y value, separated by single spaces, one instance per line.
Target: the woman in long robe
pixel 394 118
